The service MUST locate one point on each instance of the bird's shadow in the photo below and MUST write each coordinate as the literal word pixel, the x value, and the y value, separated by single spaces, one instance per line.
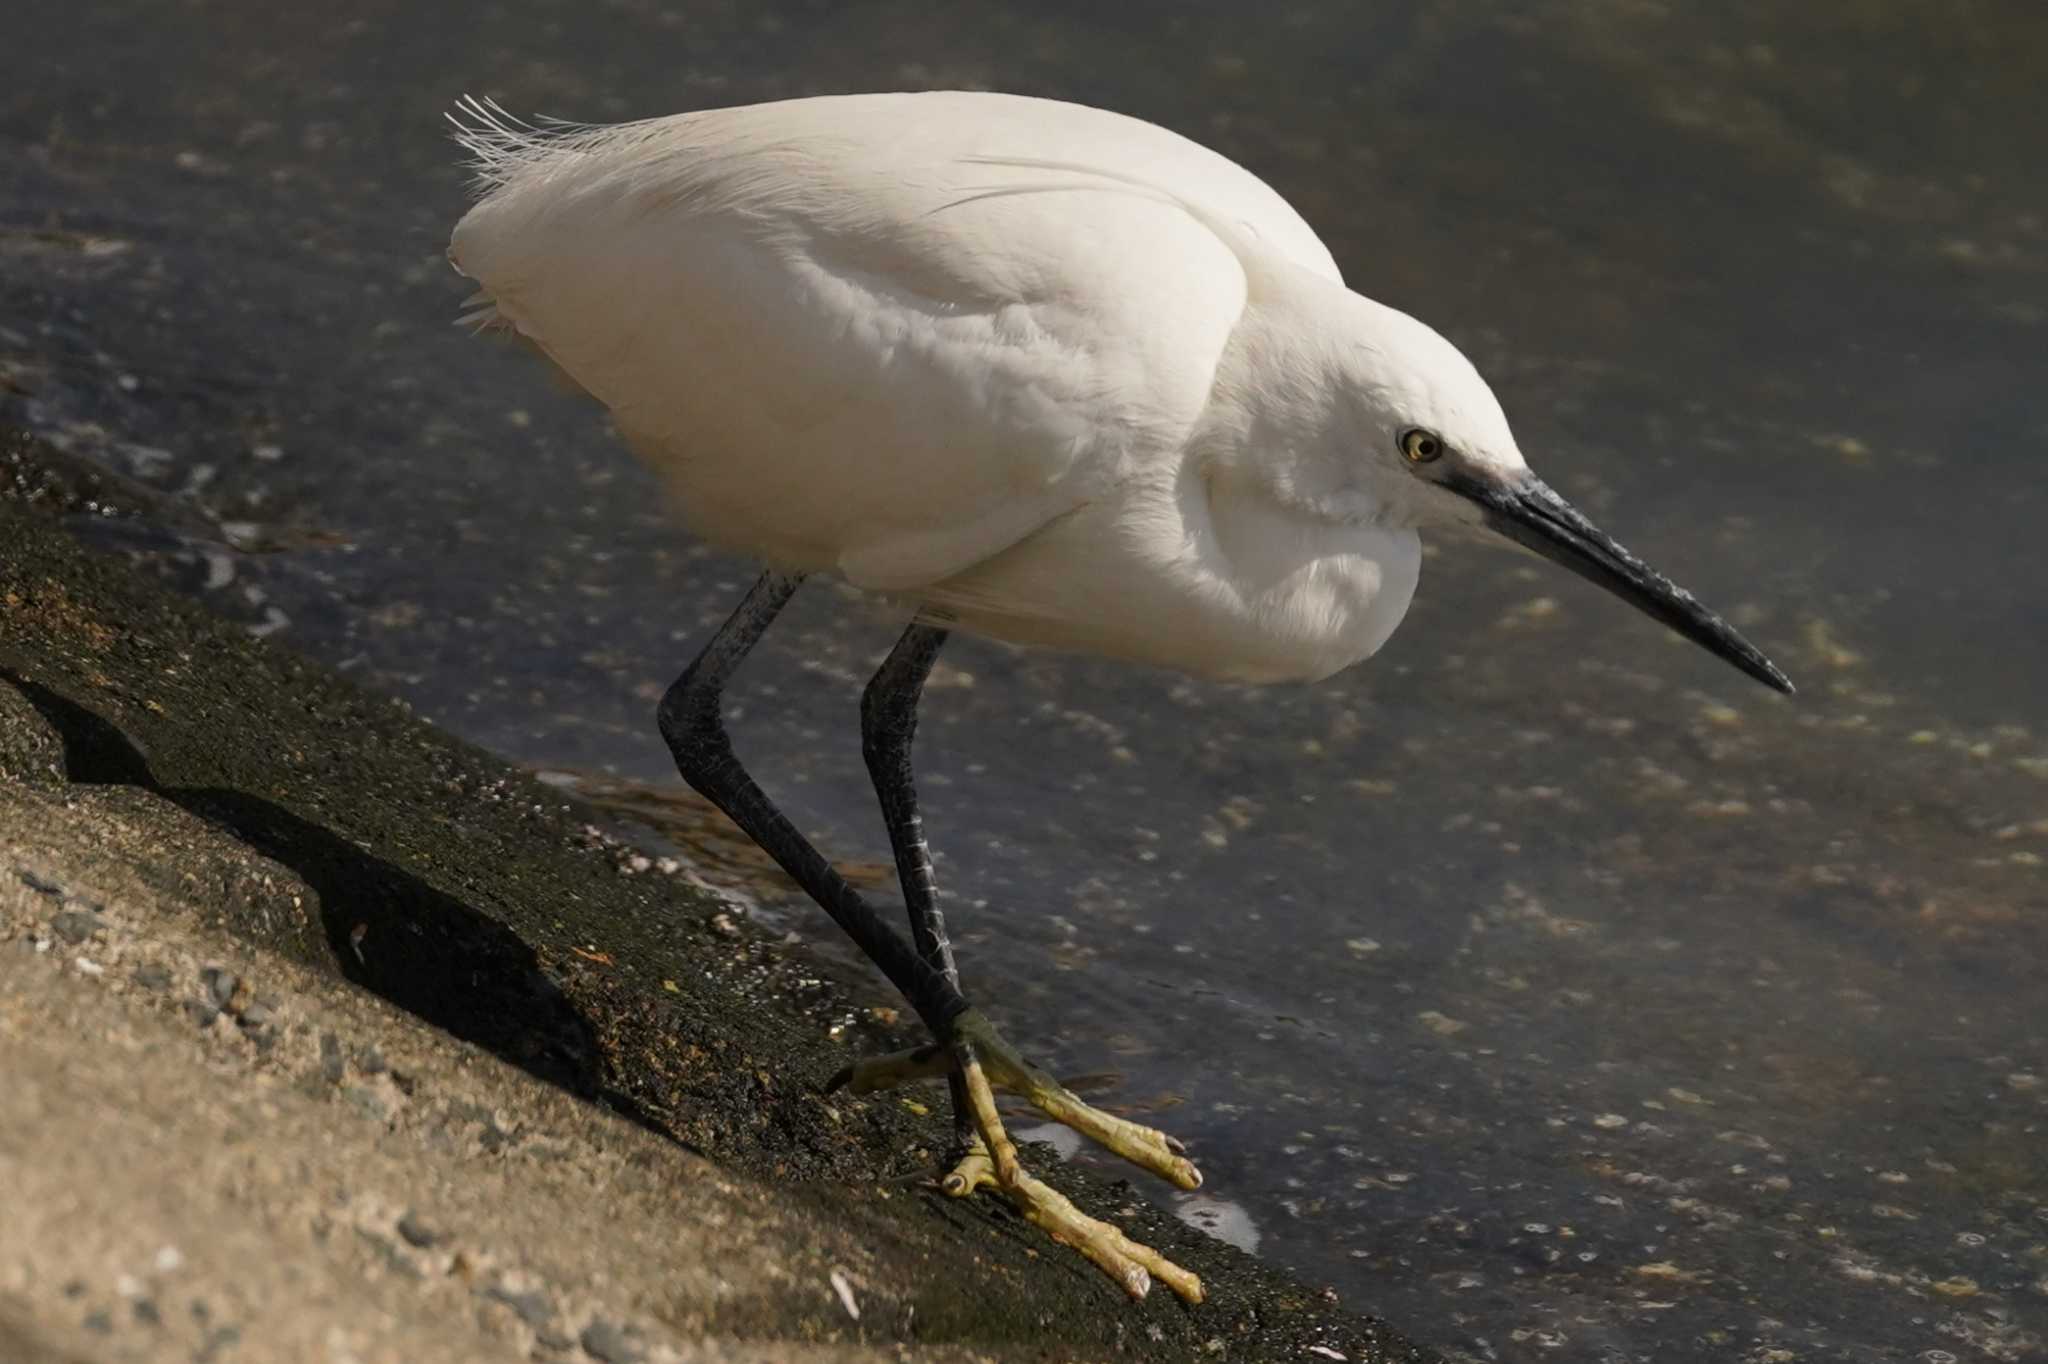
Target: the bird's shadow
pixel 387 931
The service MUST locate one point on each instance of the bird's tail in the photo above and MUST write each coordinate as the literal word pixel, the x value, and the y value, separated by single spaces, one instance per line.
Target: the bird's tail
pixel 501 145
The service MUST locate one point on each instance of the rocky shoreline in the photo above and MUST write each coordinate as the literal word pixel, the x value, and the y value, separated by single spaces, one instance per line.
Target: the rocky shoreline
pixel 331 1037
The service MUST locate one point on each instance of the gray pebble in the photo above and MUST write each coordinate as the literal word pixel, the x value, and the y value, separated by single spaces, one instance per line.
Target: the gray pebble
pixel 533 1308
pixel 606 1341
pixel 332 1066
pixel 200 1012
pixel 153 976
pixel 220 985
pixel 38 884
pixel 416 1232
pixel 99 1321
pixel 146 1312
pixel 258 1014
pixel 75 926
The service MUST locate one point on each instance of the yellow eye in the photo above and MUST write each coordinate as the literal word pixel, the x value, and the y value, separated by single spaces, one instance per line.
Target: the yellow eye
pixel 1420 446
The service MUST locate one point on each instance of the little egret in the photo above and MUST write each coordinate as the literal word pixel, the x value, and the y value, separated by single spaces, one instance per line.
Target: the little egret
pixel 1035 371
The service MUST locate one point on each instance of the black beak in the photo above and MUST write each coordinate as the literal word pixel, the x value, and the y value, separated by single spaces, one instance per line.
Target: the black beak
pixel 1531 514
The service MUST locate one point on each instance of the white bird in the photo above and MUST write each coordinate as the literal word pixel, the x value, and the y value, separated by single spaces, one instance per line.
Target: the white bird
pixel 1037 371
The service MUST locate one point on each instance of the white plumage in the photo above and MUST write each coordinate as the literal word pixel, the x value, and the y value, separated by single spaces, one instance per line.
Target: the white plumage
pixel 1048 373
pixel 1057 375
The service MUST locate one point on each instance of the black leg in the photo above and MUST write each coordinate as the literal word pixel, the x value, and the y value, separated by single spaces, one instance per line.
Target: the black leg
pixel 888 725
pixel 972 1055
pixel 694 727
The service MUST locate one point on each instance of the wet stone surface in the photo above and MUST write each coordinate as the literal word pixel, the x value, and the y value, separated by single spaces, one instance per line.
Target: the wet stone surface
pixel 528 1109
pixel 1557 993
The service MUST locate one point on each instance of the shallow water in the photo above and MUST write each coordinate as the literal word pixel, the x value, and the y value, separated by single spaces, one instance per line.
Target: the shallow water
pixel 1555 991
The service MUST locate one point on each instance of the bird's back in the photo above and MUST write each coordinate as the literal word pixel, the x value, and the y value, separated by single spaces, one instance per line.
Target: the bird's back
pixel 890 335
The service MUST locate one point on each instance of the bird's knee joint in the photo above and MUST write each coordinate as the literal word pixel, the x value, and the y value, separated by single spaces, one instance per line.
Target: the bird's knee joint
pixel 689 718
pixel 876 713
pixel 885 745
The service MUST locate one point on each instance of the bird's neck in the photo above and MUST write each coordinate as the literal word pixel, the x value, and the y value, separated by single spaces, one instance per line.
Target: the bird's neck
pixel 1281 418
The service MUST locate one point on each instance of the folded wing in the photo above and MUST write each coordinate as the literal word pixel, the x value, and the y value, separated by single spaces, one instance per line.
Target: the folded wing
pixel 887 335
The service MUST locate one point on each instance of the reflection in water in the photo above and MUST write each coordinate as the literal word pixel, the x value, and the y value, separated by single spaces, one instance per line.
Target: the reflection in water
pixel 1061 1138
pixel 1556 996
pixel 1226 1221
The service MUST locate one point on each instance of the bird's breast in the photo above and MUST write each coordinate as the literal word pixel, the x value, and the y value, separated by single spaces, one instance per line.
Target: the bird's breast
pixel 1184 576
pixel 1306 596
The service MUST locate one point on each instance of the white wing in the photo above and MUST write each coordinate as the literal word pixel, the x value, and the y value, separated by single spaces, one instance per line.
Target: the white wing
pixel 890 335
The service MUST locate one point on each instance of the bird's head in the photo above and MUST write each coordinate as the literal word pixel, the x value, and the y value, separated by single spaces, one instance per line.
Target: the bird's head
pixel 1439 451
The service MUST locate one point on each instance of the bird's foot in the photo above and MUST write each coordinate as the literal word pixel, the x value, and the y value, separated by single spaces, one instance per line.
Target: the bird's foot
pixel 985 1061
pixel 1005 1068
pixel 993 1160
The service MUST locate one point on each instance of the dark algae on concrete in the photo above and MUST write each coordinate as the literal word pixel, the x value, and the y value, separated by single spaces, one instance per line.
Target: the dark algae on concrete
pixel 248 861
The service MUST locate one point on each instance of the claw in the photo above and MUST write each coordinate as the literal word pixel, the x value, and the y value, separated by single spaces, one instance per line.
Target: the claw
pixel 1145 1147
pixel 975 1169
pixel 1134 1266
